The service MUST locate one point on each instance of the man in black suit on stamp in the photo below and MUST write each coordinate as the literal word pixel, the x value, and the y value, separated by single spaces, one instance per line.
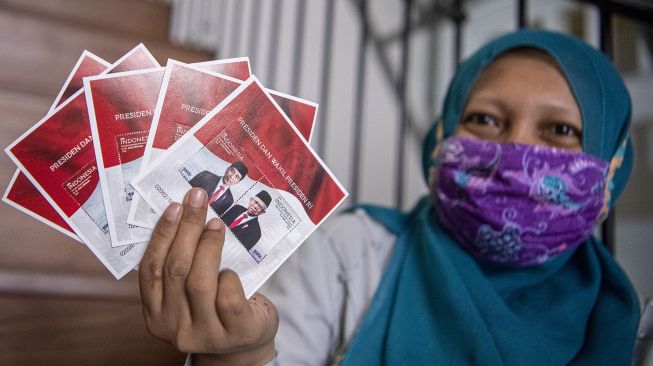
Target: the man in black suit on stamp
pixel 217 187
pixel 243 222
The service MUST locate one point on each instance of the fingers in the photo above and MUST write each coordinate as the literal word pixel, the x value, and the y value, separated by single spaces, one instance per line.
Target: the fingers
pixel 202 282
pixel 186 300
pixel 181 253
pixel 151 266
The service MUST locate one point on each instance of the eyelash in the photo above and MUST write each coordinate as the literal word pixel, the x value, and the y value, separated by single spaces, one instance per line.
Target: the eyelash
pixel 477 118
pixel 571 130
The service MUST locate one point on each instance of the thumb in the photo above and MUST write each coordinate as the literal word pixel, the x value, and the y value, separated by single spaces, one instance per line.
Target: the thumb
pixel 256 319
pixel 265 313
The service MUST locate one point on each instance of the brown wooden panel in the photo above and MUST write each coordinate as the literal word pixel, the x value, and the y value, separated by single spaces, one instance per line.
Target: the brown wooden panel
pixel 48 331
pixel 140 19
pixel 32 283
pixel 38 53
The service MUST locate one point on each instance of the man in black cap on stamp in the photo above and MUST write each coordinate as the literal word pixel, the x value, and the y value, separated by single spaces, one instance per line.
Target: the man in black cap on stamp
pixel 243 222
pixel 217 187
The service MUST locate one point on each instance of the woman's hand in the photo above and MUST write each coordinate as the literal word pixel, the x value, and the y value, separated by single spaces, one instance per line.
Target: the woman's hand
pixel 188 303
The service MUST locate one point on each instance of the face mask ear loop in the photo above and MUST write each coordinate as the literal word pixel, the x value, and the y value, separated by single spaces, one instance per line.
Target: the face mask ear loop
pixel 615 164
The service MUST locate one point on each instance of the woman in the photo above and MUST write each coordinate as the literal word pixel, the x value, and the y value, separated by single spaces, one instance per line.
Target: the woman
pixel 497 266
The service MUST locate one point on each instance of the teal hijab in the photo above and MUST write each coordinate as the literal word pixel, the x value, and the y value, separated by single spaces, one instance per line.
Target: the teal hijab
pixel 437 305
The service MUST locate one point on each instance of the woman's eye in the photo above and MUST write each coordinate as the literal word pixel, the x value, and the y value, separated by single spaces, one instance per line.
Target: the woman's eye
pixel 564 135
pixel 481 125
pixel 480 119
pixel 562 129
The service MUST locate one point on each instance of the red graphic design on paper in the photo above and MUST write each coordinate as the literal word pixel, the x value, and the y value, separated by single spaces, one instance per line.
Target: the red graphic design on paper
pixel 88 67
pixel 57 149
pixel 179 131
pixel 301 114
pixel 236 69
pixel 23 192
pixel 77 185
pixel 131 146
pixel 191 94
pixel 26 195
pixel 61 134
pixel 270 140
pixel 124 106
pixel 139 59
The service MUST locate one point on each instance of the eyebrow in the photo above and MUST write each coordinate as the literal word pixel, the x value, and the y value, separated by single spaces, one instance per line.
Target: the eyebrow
pixel 553 107
pixel 486 99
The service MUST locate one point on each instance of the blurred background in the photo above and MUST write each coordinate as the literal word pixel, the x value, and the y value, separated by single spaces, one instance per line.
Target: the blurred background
pixel 378 69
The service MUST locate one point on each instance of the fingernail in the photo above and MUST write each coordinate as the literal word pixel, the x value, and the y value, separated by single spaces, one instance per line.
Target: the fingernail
pixel 197 198
pixel 173 212
pixel 214 224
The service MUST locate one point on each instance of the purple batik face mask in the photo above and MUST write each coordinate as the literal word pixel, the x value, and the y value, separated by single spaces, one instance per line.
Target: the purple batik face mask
pixel 516 204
